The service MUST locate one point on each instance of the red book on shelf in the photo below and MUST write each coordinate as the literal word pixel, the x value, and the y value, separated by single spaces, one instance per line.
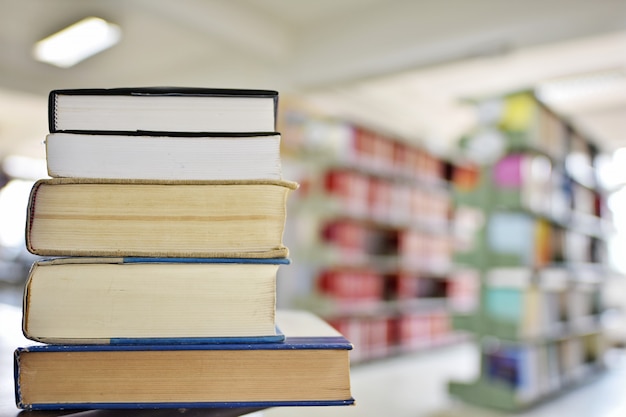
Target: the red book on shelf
pixel 403 285
pixel 400 158
pixel 465 177
pixel 379 200
pixel 364 144
pixel 347 236
pixel 414 330
pixel 351 188
pixel 384 152
pixel 347 285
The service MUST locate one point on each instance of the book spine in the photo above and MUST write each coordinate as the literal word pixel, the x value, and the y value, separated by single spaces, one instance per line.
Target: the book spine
pixel 183 405
pixel 16 379
pixel 30 211
pixel 52 112
pixel 159 341
pixel 290 343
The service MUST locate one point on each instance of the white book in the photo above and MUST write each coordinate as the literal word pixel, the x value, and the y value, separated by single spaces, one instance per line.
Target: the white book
pixel 181 157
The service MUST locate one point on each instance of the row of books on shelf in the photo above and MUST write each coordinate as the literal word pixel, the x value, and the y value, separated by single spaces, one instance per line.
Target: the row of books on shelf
pixel 547 131
pixel 347 285
pixel 360 147
pixel 160 287
pixel 379 150
pixel 383 336
pixel 536 371
pixel 527 181
pixel 345 291
pixel 543 305
pixel 584 162
pixel 522 239
pixel 408 248
pixel 385 200
pixel 545 187
pixel 531 125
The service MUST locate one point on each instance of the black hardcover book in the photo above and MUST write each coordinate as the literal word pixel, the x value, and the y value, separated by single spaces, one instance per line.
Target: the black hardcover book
pixel 162 109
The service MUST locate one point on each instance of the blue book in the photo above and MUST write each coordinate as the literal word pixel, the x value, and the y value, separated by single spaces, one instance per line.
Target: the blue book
pixel 310 368
pixel 78 300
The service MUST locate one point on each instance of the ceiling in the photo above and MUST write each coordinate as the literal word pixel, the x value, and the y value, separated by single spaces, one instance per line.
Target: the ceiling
pixel 398 65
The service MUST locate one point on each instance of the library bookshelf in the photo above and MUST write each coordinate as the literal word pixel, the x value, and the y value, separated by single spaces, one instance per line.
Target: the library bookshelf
pixel 371 236
pixel 541 254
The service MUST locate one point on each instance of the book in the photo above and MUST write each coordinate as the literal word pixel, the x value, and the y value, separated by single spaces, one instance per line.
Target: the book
pixel 162 109
pixel 513 297
pixel 224 219
pixel 529 176
pixel 311 367
pixel 151 300
pixel 165 156
pixel 512 234
pixel 515 366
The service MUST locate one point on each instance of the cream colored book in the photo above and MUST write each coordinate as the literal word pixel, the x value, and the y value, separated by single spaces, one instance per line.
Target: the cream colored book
pixel 232 219
pixel 80 300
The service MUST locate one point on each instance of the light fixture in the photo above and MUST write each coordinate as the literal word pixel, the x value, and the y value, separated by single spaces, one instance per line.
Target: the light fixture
pixel 77 42
pixel 581 86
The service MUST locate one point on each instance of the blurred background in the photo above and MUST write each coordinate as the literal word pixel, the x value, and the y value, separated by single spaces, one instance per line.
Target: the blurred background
pixel 461 215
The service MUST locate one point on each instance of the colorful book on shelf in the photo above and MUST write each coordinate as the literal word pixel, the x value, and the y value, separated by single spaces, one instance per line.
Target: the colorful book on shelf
pixel 514 300
pixel 528 179
pixel 511 238
pixel 310 368
pixel 162 109
pixel 225 219
pixel 165 156
pixel 152 301
pixel 515 366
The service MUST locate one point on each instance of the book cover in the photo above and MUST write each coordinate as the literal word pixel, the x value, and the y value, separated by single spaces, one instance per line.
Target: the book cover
pixel 508 172
pixel 516 366
pixel 162 109
pixel 225 219
pixel 513 234
pixel 310 368
pixel 151 301
pixel 505 304
pixel 165 156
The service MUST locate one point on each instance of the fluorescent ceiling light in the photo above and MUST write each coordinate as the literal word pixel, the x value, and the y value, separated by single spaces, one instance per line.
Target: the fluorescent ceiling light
pixel 77 42
pixel 581 86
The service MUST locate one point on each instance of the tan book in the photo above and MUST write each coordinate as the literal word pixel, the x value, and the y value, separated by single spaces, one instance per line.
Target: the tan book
pixel 81 217
pixel 81 300
pixel 311 367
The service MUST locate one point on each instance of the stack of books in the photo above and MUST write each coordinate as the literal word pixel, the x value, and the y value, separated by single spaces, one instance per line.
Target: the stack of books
pixel 164 243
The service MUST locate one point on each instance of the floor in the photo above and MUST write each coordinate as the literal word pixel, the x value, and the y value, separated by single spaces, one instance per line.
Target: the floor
pixel 409 386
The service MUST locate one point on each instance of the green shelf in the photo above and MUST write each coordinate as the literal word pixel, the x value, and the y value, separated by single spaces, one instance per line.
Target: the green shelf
pixel 483 326
pixel 496 260
pixel 498 395
pixel 511 332
pixel 486 394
